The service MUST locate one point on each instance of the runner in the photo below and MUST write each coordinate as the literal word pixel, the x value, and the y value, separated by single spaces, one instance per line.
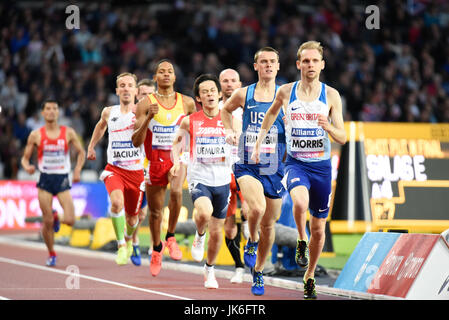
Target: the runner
pixel 309 105
pixel 53 142
pixel 260 183
pixel 158 134
pixel 123 174
pixel 209 171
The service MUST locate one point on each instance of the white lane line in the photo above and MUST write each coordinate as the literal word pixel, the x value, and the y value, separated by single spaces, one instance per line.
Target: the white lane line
pixel 4 298
pixel 119 284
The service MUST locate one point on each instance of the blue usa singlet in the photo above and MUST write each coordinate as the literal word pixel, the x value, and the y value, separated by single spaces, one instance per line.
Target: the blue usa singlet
pixel 270 169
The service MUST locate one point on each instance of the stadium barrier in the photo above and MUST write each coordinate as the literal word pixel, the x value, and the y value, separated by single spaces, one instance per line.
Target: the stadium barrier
pixel 405 265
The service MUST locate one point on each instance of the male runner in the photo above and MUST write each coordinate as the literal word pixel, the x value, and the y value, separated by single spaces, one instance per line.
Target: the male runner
pixel 308 105
pixel 158 134
pixel 229 82
pixel 209 171
pixel 52 142
pixel 260 183
pixel 123 174
pixel 144 87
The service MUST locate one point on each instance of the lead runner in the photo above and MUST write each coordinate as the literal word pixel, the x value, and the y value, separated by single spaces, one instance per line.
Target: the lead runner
pixel 309 105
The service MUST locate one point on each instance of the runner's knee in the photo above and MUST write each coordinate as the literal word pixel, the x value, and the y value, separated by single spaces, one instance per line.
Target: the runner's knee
pixel 116 205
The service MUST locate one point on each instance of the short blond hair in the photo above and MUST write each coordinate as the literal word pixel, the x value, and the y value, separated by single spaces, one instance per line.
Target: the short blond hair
pixel 310 45
pixel 124 74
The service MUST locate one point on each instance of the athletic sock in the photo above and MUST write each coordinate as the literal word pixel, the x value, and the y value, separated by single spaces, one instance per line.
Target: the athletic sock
pixel 158 248
pixel 130 229
pixel 168 235
pixel 52 254
pixel 234 248
pixel 118 222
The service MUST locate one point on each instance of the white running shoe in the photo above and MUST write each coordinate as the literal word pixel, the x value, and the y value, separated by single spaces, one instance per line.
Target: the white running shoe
pixel 209 278
pixel 245 229
pixel 238 275
pixel 198 247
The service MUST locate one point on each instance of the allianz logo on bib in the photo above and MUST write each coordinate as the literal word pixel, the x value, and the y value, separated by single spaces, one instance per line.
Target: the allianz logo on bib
pixel 122 144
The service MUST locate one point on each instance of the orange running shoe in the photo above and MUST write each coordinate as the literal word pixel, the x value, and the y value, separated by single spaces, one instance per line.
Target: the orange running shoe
pixel 173 249
pixel 156 261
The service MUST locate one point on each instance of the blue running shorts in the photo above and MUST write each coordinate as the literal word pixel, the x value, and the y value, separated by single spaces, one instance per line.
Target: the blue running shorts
pixel 317 178
pixel 272 184
pixel 54 183
pixel 219 196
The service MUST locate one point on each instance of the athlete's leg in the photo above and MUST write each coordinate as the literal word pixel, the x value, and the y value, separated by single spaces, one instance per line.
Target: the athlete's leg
pixel 118 215
pixel 45 202
pixel 204 209
pixel 316 243
pixel 215 239
pixel 230 227
pixel 133 203
pixel 142 216
pixel 66 201
pixel 175 200
pixel 156 198
pixel 300 199
pixel 252 191
pixel 267 233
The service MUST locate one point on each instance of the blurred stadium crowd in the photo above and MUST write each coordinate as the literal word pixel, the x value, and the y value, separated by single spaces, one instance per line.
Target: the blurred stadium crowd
pixel 399 72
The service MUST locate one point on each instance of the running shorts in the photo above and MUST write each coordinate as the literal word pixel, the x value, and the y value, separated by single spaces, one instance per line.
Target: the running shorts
pixel 317 178
pixel 129 182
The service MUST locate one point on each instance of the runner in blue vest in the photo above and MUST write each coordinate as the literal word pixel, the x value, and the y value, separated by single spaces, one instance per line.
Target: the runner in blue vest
pixel 260 183
pixel 308 105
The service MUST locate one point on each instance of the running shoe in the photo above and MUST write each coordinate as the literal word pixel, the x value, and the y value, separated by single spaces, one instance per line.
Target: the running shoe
pixel 129 248
pixel 51 261
pixel 122 256
pixel 173 249
pixel 156 261
pixel 56 222
pixel 309 289
pixel 257 288
pixel 250 253
pixel 302 253
pixel 135 257
pixel 198 247
pixel 238 275
pixel 210 282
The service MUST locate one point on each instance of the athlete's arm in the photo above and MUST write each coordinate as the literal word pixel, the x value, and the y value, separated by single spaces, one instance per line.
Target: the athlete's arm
pixel 145 111
pixel 100 129
pixel 33 140
pixel 180 140
pixel 269 118
pixel 73 139
pixel 337 129
pixel 188 104
pixel 236 100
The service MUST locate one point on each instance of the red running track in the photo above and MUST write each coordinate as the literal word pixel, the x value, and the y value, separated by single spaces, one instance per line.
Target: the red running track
pixel 89 275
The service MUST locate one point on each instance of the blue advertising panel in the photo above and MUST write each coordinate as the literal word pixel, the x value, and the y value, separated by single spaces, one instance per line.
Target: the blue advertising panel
pixel 91 199
pixel 365 260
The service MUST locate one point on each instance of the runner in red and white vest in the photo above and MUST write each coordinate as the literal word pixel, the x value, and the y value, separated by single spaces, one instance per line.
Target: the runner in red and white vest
pixel 53 144
pixel 123 175
pixel 208 173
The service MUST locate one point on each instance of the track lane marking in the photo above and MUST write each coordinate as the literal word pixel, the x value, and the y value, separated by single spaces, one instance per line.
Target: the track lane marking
pixel 82 276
